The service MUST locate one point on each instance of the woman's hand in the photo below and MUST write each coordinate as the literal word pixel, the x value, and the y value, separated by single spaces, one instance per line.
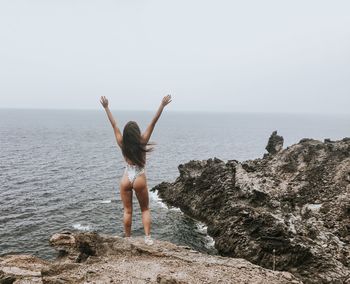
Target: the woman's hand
pixel 147 134
pixel 104 101
pixel 166 100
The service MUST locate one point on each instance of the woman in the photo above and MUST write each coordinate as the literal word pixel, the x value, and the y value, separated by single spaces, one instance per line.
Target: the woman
pixel 134 148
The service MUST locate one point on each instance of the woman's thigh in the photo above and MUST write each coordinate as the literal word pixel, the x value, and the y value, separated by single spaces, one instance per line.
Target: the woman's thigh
pixel 126 193
pixel 141 190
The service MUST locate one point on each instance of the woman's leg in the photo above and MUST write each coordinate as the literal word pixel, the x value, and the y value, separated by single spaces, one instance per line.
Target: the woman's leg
pixel 141 190
pixel 126 196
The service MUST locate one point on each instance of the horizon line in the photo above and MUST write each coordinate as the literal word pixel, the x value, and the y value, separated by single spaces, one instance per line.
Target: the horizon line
pixel 179 111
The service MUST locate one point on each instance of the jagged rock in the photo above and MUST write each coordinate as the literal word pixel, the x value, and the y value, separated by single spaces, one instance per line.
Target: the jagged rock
pixel 275 143
pixel 295 202
pixel 94 258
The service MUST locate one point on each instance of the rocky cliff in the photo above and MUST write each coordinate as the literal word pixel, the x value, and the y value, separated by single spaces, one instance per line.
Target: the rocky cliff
pixel 94 258
pixel 290 209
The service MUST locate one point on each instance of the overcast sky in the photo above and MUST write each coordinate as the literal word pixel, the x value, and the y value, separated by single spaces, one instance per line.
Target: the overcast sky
pixel 250 56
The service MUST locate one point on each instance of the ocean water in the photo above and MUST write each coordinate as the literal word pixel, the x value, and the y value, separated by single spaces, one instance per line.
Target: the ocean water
pixel 60 169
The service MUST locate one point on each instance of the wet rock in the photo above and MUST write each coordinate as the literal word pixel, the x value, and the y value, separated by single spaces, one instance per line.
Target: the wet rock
pixel 295 202
pixel 96 258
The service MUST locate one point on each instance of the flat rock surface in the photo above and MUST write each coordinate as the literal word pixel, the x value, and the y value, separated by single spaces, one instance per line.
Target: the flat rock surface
pixel 94 258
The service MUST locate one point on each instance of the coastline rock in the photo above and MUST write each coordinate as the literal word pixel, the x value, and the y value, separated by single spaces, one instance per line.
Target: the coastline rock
pixel 290 210
pixel 275 143
pixel 95 258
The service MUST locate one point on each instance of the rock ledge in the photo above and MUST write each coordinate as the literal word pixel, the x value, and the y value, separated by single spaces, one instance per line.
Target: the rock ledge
pixel 94 258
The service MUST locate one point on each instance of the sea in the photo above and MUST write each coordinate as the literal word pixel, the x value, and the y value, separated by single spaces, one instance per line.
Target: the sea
pixel 60 169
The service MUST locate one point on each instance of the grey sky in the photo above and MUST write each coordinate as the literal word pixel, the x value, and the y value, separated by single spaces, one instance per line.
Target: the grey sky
pixel 265 56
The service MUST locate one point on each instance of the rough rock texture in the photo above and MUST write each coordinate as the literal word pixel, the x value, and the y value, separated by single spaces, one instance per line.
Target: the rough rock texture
pixel 275 143
pixel 94 258
pixel 292 207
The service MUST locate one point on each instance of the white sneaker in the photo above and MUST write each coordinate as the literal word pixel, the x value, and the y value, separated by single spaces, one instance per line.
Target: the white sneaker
pixel 148 240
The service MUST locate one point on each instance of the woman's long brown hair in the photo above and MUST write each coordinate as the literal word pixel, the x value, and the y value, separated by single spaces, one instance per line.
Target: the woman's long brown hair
pixel 132 148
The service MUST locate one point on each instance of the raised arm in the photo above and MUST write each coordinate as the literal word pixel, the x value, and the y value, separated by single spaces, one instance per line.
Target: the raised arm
pixel 147 134
pixel 117 133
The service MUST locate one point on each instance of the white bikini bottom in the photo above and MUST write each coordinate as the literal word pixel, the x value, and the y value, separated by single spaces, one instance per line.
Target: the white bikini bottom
pixel 133 172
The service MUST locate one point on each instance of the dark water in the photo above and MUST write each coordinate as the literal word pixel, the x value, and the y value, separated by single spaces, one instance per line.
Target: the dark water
pixel 60 169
